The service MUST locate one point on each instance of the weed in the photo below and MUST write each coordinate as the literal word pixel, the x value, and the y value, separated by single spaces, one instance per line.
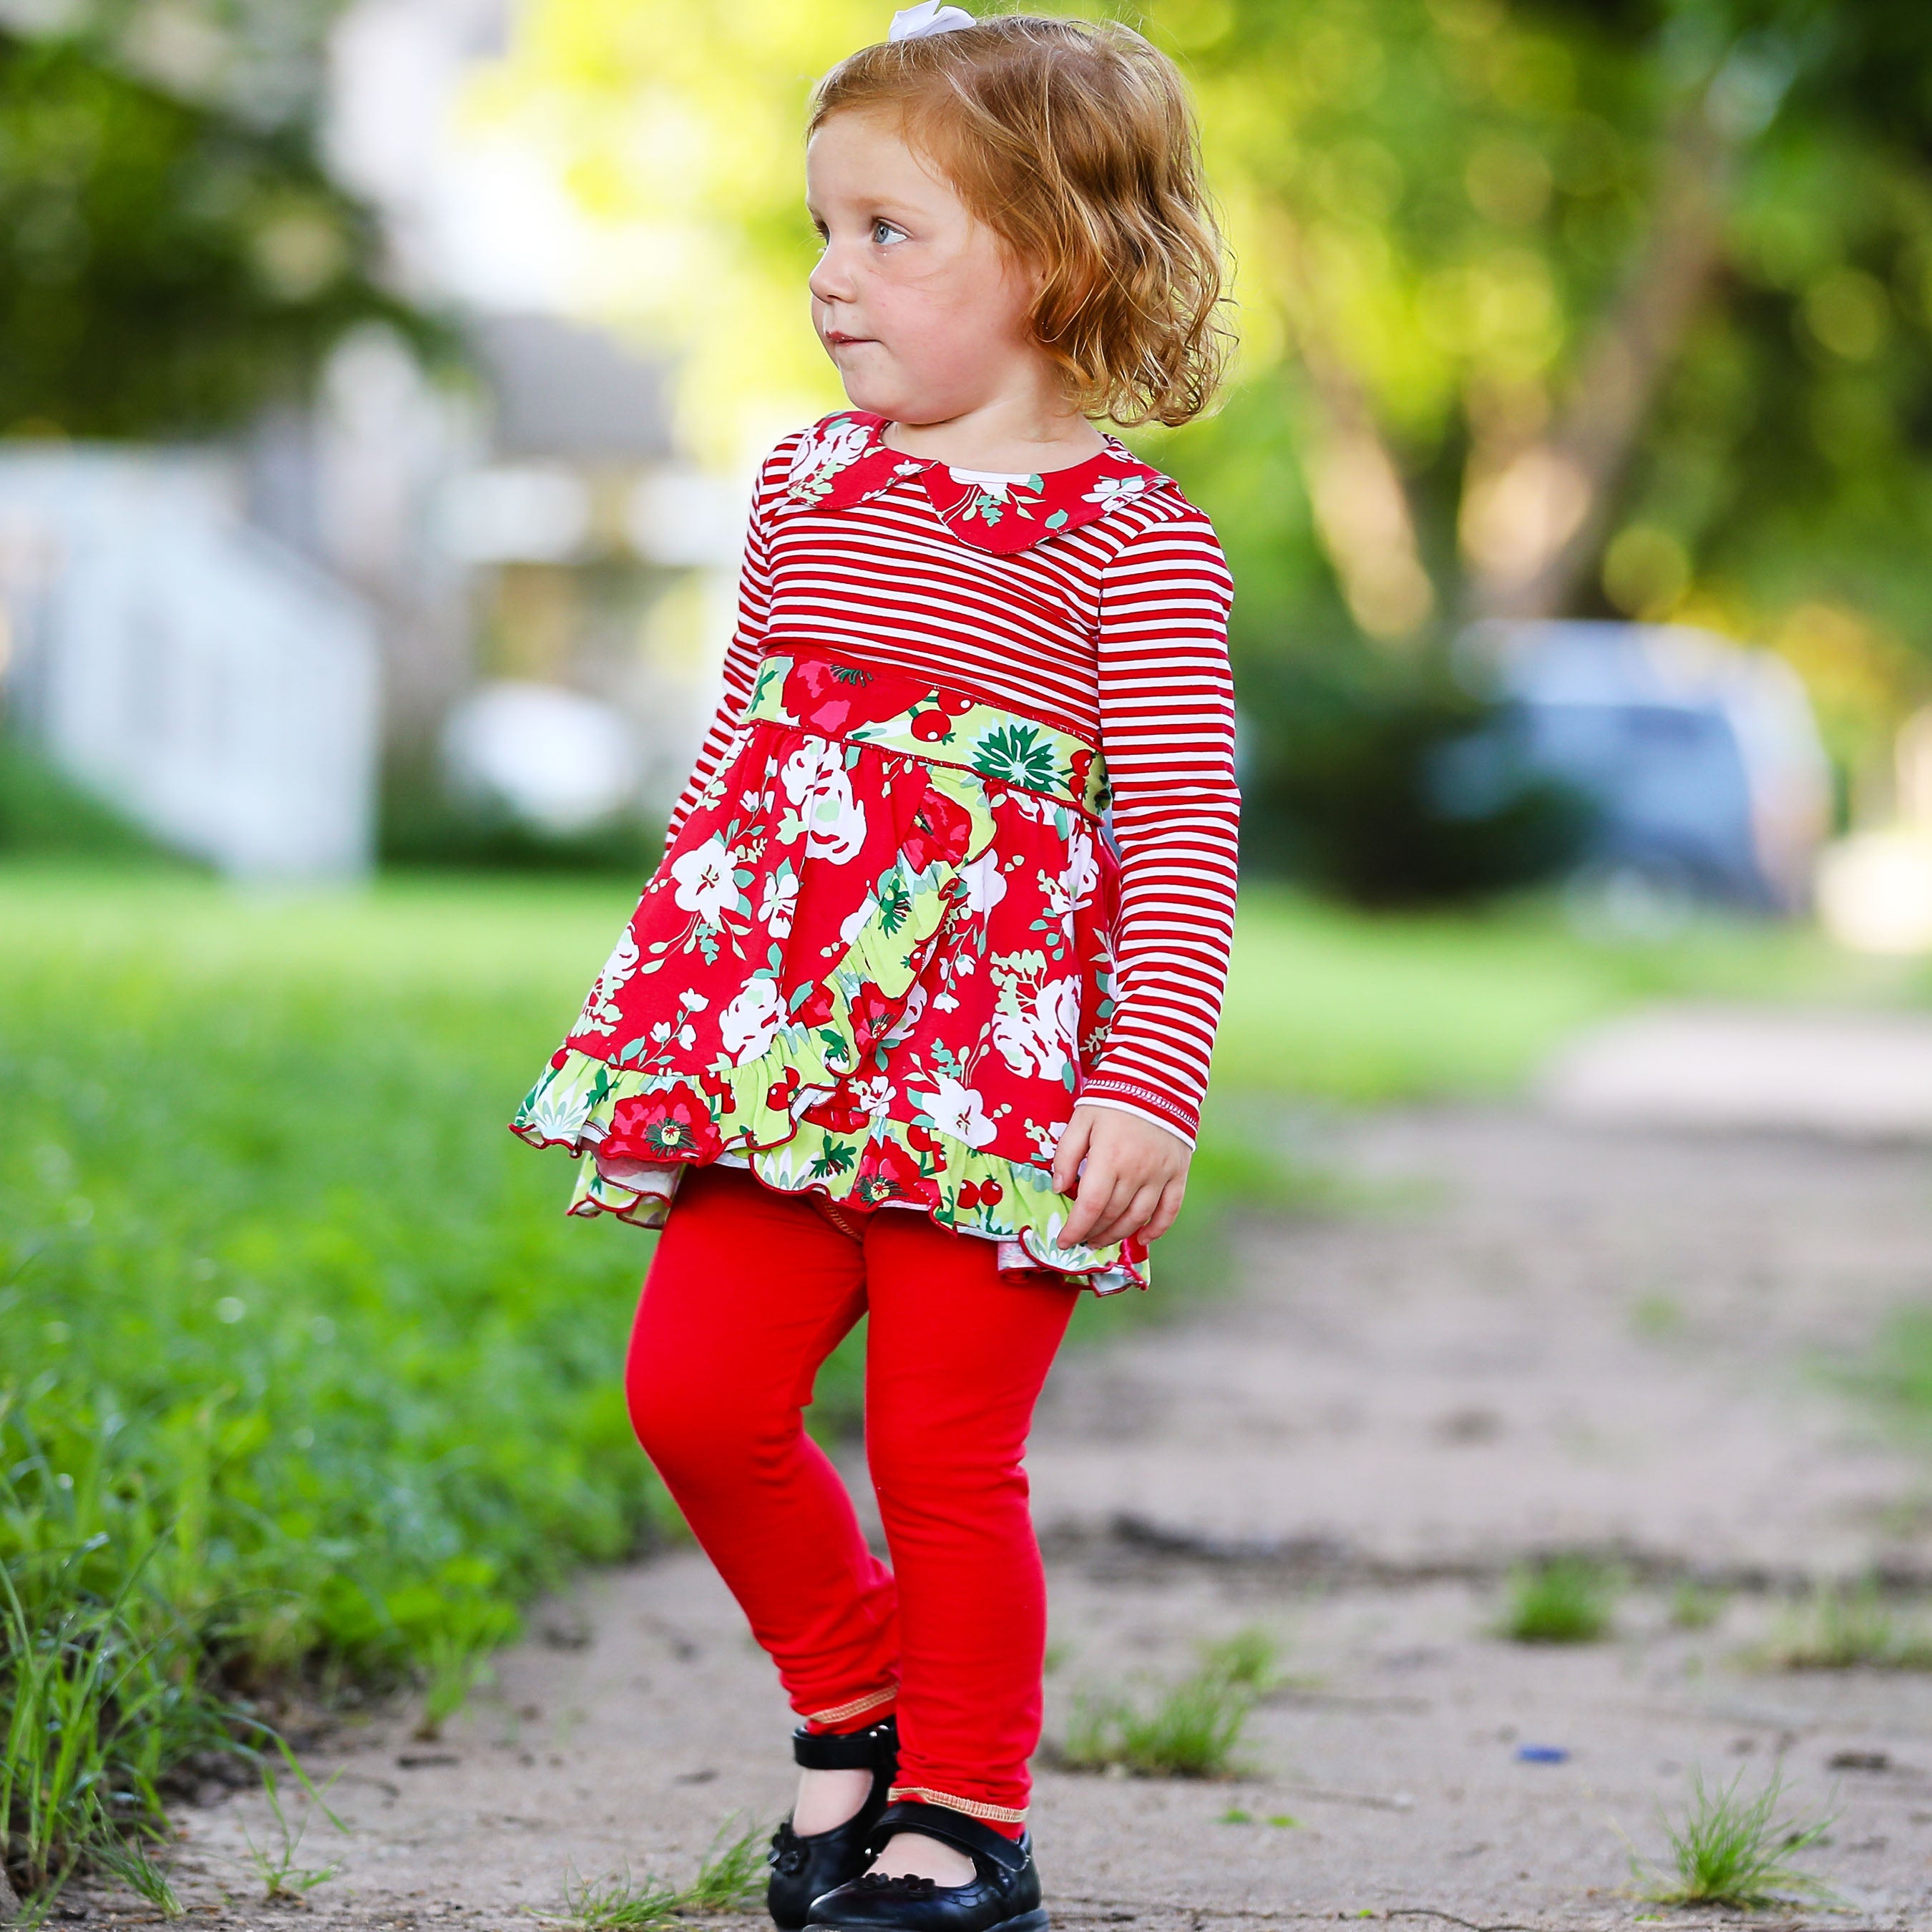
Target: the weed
pixel 617 1904
pixel 1191 1730
pixel 1248 1657
pixel 131 1859
pixel 1838 1629
pixel 99 1697
pixel 730 1877
pixel 1696 1606
pixel 1736 1852
pixel 282 1879
pixel 1560 1599
pixel 732 1872
pixel 457 1664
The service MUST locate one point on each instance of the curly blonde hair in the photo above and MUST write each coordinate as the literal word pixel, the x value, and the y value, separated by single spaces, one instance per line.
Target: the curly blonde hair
pixel 1076 144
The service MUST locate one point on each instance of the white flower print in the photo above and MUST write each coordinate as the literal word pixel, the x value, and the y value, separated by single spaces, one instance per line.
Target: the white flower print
pixel 601 1013
pixel 997 483
pixel 779 900
pixel 1112 490
pixel 1067 894
pixel 820 788
pixel 821 454
pixel 746 1026
pixel 1079 1256
pixel 1039 1034
pixel 705 885
pixel 956 1110
pixel 856 921
pixel 910 1015
pixel 985 887
pixel 874 1096
pixel 556 1111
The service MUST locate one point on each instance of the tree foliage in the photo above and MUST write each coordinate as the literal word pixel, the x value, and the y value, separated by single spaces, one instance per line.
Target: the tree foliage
pixel 1549 305
pixel 167 264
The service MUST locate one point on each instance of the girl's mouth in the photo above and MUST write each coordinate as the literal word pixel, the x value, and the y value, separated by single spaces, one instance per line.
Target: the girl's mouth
pixel 834 339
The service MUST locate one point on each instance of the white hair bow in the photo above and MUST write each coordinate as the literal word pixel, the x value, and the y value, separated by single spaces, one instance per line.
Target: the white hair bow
pixel 929 17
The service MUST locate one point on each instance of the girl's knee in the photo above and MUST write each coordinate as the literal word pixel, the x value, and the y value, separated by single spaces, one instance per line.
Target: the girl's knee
pixel 701 1422
pixel 938 1477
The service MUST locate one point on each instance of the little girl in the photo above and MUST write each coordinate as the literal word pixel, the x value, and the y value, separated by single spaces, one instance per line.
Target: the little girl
pixel 907 1024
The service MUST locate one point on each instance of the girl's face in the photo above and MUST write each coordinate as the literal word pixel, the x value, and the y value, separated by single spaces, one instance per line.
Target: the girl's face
pixel 917 301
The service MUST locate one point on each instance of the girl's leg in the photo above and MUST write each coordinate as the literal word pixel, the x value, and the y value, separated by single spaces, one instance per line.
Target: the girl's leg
pixel 749 1291
pixel 956 1353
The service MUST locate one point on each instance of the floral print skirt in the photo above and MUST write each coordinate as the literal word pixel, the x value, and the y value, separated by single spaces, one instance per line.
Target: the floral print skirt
pixel 871 966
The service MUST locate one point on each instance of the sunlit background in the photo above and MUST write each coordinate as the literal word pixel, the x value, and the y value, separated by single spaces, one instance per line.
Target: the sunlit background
pixel 380 388
pixel 380 385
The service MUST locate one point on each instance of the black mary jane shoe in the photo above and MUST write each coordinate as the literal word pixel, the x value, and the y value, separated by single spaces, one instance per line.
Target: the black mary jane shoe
pixel 803 1867
pixel 1003 1897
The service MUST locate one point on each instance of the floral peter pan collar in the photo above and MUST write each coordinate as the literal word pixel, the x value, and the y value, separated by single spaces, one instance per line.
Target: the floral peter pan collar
pixel 844 459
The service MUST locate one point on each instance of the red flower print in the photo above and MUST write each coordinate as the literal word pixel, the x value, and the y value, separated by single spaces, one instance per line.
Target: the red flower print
pixel 873 1014
pixel 940 830
pixel 833 698
pixel 887 1172
pixel 839 1111
pixel 778 1095
pixel 815 1009
pixel 674 1125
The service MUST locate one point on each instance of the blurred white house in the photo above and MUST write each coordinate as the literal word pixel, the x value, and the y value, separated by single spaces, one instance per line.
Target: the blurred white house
pixel 223 642
pixel 207 679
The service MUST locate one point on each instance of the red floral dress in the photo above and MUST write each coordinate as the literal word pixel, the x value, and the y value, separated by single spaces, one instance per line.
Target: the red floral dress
pixel 877 963
pixel 870 968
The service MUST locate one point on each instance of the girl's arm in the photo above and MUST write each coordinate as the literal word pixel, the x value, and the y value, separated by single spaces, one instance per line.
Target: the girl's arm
pixel 1167 712
pixel 747 646
pixel 1167 722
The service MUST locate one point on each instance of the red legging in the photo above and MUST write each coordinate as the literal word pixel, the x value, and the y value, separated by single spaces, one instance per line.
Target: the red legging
pixel 750 1290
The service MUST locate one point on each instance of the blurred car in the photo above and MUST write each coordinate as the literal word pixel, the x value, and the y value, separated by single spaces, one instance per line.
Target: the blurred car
pixel 1700 758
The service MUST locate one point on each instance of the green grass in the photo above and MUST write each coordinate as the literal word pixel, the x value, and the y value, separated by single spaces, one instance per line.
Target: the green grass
pixel 276 1863
pixel 1193 1729
pixel 1854 1629
pixel 1736 1853
pixel 1696 1606
pixel 300 1364
pixel 1327 1002
pixel 730 1878
pixel 302 1370
pixel 1562 1600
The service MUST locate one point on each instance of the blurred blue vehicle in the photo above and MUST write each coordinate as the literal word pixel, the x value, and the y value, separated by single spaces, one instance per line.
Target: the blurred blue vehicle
pixel 1700 758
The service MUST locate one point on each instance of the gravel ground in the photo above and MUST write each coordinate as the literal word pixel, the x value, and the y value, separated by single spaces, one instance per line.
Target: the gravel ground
pixel 1527 1332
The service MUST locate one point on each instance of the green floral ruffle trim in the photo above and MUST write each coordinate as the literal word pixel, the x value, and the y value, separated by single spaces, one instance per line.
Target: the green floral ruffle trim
pixel 848 1157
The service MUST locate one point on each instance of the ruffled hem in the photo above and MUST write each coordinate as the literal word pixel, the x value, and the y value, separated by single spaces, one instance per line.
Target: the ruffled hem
pixel 864 1162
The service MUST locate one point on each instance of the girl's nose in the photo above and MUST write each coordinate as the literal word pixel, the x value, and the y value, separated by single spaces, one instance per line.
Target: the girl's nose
pixel 830 280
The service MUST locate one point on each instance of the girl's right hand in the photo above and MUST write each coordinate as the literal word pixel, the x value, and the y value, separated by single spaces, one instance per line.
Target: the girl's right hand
pixel 1130 1176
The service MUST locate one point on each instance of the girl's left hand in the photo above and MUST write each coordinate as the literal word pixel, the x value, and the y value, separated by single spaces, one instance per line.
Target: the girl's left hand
pixel 1131 1175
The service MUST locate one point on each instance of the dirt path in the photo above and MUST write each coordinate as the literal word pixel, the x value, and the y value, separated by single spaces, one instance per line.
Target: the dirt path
pixel 1532 1334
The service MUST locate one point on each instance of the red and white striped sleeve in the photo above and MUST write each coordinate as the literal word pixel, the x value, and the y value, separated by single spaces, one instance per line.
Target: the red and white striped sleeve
pixel 747 647
pixel 1167 720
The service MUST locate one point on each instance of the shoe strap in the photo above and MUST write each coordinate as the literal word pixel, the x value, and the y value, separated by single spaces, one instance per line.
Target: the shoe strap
pixel 868 1750
pixel 976 1840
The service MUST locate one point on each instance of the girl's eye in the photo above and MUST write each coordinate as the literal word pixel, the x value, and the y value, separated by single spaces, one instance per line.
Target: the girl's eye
pixel 884 233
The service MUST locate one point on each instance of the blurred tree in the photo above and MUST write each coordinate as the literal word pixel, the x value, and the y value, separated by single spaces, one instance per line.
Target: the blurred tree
pixel 168 263
pixel 1595 307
